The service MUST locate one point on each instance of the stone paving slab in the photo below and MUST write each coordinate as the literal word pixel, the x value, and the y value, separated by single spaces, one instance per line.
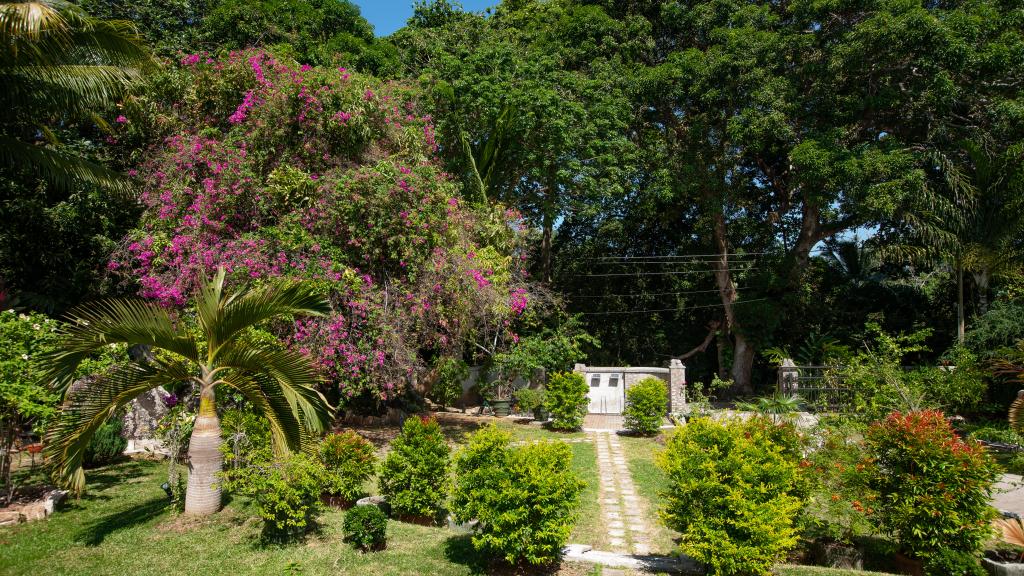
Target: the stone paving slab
pixel 1009 494
pixel 645 563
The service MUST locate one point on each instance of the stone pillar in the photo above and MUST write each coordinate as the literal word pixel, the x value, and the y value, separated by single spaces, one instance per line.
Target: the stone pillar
pixel 676 386
pixel 789 377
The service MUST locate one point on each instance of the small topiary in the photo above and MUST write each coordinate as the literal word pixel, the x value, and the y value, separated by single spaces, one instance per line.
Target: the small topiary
pixel 566 400
pixel 646 405
pixel 524 498
pixel 366 528
pixel 106 445
pixel 286 492
pixel 414 475
pixel 733 495
pixel 349 460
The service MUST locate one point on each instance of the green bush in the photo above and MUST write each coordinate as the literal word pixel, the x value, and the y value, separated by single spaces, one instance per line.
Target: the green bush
pixel 451 372
pixel 286 492
pixel 646 405
pixel 349 460
pixel 525 498
pixel 106 445
pixel 932 488
pixel 733 495
pixel 566 400
pixel 366 528
pixel 946 562
pixel 414 475
pixel 530 399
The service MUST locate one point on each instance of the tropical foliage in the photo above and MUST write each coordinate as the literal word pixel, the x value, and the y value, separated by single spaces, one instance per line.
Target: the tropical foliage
pixel 278 382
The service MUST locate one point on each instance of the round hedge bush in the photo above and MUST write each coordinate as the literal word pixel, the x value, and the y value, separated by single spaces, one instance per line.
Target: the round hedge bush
pixel 414 475
pixel 566 400
pixel 349 460
pixel 366 528
pixel 646 405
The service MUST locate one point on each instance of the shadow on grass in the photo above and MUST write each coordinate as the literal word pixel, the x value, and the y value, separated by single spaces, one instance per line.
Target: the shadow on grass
pixel 95 533
pixel 459 550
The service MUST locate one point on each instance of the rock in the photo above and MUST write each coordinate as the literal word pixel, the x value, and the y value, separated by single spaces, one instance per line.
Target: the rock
pixel 53 500
pixel 464 528
pixel 145 413
pixel 11 517
pixel 378 501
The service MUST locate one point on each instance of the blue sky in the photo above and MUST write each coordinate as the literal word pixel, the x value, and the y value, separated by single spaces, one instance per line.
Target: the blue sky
pixel 390 15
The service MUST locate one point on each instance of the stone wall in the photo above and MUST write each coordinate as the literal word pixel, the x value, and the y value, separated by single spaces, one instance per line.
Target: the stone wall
pixel 674 377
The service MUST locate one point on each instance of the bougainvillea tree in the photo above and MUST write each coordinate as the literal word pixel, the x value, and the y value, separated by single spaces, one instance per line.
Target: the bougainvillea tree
pixel 279 170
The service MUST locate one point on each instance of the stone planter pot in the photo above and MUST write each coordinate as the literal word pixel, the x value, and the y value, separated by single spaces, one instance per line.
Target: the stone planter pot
pixel 996 568
pixel 501 407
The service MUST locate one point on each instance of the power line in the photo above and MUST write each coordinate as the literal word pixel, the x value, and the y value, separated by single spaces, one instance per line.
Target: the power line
pixel 651 293
pixel 667 309
pixel 672 273
pixel 676 262
pixel 738 254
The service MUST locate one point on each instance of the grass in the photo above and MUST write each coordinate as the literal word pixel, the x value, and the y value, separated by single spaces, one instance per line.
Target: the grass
pixel 818 571
pixel 650 482
pixel 124 527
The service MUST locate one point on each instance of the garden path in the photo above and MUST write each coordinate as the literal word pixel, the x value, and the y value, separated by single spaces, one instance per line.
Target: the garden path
pixel 624 511
pixel 1009 494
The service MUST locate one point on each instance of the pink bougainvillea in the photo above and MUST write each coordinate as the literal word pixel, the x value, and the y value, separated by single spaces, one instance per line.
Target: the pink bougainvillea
pixel 281 171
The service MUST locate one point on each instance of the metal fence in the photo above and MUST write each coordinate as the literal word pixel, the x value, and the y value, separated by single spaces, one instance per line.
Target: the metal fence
pixel 820 387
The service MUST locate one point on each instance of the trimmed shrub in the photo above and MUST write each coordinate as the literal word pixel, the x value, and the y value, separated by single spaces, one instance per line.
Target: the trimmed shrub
pixel 646 405
pixel 530 399
pixel 525 498
pixel 733 495
pixel 106 445
pixel 414 475
pixel 932 488
pixel 366 528
pixel 349 460
pixel 451 372
pixel 286 492
pixel 566 400
pixel 946 562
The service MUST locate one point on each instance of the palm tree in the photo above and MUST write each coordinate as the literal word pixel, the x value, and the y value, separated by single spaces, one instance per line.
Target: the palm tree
pixel 58 64
pixel 279 383
pixel 973 220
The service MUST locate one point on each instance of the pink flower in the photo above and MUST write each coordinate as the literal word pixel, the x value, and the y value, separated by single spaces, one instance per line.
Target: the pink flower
pixel 121 119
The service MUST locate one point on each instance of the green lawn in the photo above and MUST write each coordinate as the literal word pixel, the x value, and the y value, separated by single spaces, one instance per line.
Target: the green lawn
pixel 123 527
pixel 650 482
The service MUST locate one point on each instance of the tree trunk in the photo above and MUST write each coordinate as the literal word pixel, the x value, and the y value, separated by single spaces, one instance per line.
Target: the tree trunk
pixel 545 248
pixel 981 281
pixel 959 302
pixel 205 460
pixel 743 366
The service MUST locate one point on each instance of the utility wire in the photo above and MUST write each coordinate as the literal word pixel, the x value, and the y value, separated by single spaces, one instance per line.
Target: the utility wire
pixel 675 256
pixel 653 293
pixel 668 309
pixel 675 262
pixel 672 273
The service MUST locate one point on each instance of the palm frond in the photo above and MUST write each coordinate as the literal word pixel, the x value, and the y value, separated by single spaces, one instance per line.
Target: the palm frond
pixel 29 20
pixel 293 373
pixel 91 326
pixel 286 431
pixel 61 170
pixel 254 306
pixel 1016 415
pixel 86 409
pixel 1010 530
pixel 71 89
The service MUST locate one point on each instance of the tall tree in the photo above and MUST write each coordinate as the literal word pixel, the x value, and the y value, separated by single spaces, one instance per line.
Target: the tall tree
pixel 279 383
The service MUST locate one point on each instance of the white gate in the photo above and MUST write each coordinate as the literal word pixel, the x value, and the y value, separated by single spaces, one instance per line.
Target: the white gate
pixel 606 392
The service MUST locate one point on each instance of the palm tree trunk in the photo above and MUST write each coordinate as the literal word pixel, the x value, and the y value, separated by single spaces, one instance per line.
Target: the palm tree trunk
pixel 960 327
pixel 205 460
